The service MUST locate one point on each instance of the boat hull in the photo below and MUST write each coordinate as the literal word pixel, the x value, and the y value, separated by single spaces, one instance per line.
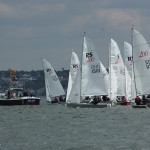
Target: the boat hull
pixel 124 103
pixel 20 101
pixel 140 106
pixel 147 105
pixel 87 105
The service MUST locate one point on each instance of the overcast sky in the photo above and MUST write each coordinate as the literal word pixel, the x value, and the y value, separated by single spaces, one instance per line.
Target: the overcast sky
pixel 31 29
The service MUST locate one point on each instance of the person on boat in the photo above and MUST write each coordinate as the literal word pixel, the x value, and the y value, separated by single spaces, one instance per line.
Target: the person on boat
pixel 94 101
pixel 64 99
pixel 9 94
pixel 118 99
pixel 108 99
pixel 144 100
pixel 148 96
pixel 14 95
pixel 87 99
pixel 123 99
pixel 105 98
pixel 138 100
pixel 61 99
pixel 55 100
pixel 25 93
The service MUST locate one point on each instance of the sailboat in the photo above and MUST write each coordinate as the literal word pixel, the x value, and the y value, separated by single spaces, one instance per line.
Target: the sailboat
pixel 116 62
pixel 130 88
pixel 119 72
pixel 128 57
pixel 141 66
pixel 52 84
pixel 74 67
pixel 89 80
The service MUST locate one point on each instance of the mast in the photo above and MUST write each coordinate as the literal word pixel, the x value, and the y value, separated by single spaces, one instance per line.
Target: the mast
pixel 125 74
pixel 132 58
pixel 110 67
pixel 81 63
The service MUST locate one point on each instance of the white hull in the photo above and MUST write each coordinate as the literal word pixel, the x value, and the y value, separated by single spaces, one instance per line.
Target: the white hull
pixel 140 106
pixel 87 105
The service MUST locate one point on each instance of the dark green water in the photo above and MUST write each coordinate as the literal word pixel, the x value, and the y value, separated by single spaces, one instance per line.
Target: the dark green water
pixel 56 127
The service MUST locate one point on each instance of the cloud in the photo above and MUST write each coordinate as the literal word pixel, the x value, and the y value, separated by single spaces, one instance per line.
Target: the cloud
pixel 119 18
pixel 30 9
pixel 6 10
pixel 28 26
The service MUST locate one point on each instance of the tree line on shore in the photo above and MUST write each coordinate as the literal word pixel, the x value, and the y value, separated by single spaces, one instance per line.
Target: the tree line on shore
pixel 32 80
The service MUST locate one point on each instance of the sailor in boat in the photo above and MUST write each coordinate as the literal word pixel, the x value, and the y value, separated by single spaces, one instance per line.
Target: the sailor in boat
pixel 87 99
pixel 61 99
pixel 55 100
pixel 138 100
pixel 118 99
pixel 123 99
pixel 95 100
pixel 105 98
pixel 144 100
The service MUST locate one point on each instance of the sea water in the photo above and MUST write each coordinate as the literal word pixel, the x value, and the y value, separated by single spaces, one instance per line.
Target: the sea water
pixel 56 127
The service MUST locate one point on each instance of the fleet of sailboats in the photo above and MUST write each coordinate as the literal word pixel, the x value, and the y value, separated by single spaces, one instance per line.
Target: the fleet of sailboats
pixel 88 78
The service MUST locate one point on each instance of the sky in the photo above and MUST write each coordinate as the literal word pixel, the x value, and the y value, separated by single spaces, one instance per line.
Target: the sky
pixel 32 29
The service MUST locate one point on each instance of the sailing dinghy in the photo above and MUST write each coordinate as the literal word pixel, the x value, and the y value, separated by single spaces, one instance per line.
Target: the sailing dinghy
pixel 141 67
pixel 119 72
pixel 53 86
pixel 90 80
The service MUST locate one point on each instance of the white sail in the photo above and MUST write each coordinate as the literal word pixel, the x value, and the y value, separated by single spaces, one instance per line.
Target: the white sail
pixel 117 64
pixel 74 66
pixel 127 84
pixel 92 81
pixel 113 84
pixel 128 57
pixel 48 97
pixel 52 80
pixel 105 76
pixel 75 95
pixel 128 68
pixel 141 61
pixel 133 90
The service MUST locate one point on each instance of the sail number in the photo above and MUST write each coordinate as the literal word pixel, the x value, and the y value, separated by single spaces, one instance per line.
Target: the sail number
pixel 89 57
pixel 147 62
pixel 95 68
pixel 55 78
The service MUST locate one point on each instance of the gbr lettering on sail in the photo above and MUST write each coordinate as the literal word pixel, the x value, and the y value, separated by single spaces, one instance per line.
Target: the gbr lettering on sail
pixel 95 68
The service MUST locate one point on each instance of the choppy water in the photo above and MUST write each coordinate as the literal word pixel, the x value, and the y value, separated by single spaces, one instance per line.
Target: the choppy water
pixel 56 127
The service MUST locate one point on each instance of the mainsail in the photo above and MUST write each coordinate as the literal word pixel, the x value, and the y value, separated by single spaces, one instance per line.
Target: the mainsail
pixel 128 57
pixel 75 95
pixel 128 69
pixel 74 67
pixel 105 77
pixel 141 62
pixel 52 83
pixel 116 62
pixel 48 97
pixel 112 84
pixel 92 81
pixel 130 85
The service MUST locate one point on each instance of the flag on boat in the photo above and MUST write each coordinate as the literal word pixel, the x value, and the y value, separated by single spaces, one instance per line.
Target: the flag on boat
pixel 13 71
